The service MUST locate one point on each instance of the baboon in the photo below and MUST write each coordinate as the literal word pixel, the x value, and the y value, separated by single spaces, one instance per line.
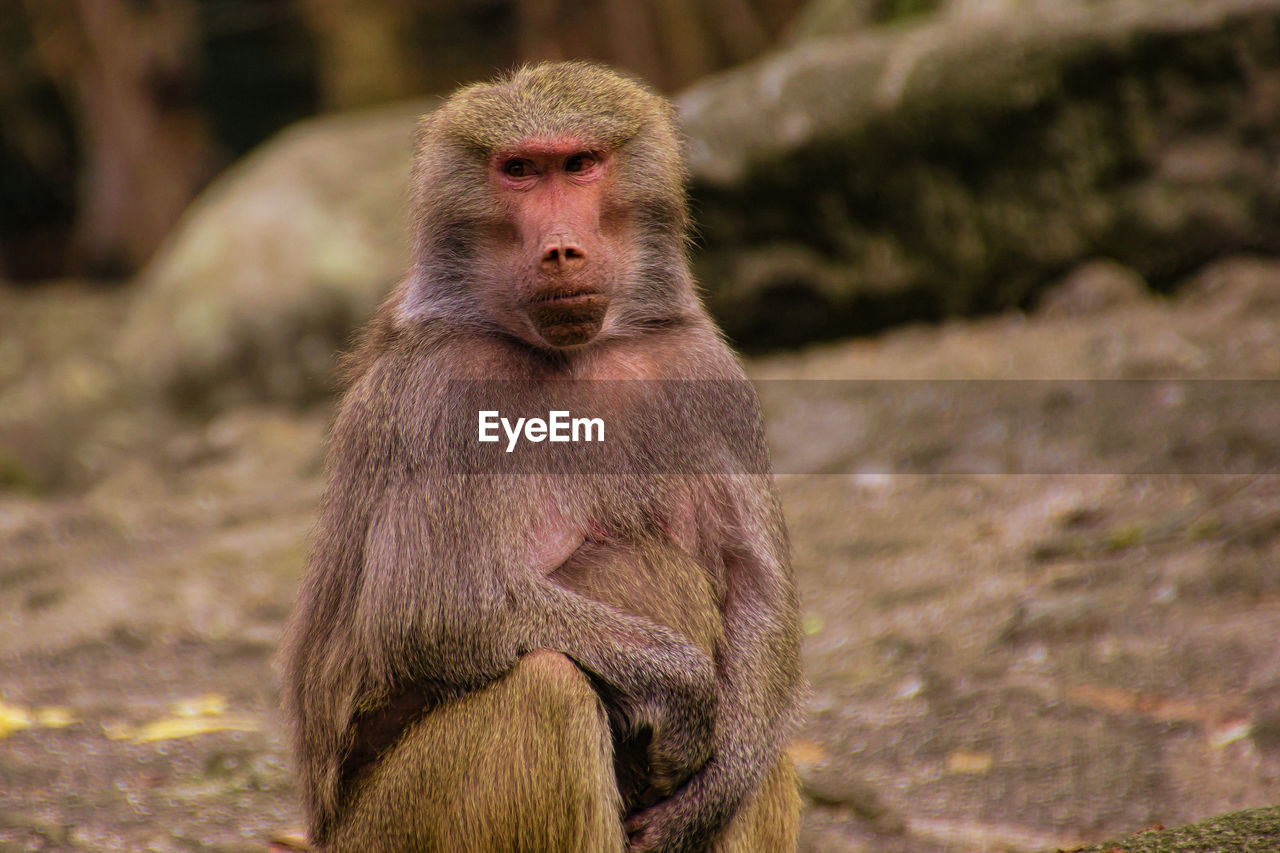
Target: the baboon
pixel 590 652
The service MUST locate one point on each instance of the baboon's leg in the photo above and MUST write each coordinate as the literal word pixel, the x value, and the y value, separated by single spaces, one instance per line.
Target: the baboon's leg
pixel 770 821
pixel 524 765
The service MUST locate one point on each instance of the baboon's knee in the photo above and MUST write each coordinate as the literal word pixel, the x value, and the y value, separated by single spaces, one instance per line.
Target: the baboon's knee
pixel 546 699
pixel 551 669
pixel 523 764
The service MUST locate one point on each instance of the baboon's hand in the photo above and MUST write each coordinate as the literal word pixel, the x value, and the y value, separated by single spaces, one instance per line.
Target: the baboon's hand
pixel 673 825
pixel 680 747
pixel 682 718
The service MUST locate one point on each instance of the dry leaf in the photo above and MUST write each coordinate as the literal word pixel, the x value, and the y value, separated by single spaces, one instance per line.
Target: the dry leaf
pixel 1229 731
pixel 289 842
pixel 806 752
pixel 964 761
pixel 53 717
pixel 14 718
pixel 190 717
pixel 171 728
pixel 208 705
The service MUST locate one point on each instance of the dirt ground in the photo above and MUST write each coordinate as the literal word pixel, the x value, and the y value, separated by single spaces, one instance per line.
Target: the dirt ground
pixel 1037 614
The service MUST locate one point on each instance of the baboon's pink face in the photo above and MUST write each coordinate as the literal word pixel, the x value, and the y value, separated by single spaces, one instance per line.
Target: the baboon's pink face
pixel 565 241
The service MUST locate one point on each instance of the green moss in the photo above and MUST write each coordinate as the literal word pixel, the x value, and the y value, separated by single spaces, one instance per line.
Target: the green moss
pixel 887 11
pixel 1253 831
pixel 1125 536
pixel 1002 157
pixel 15 477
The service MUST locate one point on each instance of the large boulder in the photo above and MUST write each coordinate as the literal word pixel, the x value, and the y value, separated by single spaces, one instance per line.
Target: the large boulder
pixel 960 163
pixel 278 261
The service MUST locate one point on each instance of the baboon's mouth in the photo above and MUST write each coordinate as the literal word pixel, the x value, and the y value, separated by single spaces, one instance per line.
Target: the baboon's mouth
pixel 566 296
pixel 568 317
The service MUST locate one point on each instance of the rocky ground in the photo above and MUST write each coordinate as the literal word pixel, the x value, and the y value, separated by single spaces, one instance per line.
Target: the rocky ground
pixel 1037 614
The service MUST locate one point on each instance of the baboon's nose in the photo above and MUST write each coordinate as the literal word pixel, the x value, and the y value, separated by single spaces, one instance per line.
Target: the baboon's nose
pixel 563 254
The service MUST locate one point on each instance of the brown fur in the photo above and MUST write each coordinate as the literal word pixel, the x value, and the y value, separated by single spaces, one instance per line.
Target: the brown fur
pixel 481 660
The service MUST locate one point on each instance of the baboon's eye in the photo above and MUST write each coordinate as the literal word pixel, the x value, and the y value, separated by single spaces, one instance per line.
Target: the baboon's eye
pixel 517 168
pixel 580 162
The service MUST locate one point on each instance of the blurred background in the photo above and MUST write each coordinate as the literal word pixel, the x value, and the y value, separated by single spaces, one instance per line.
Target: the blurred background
pixel 117 112
pixel 1007 273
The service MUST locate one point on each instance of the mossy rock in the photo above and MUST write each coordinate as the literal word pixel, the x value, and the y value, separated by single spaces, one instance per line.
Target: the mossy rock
pixel 273 266
pixel 1252 831
pixel 960 165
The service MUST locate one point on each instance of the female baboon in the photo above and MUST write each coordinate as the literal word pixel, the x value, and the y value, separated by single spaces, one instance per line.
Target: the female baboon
pixel 572 647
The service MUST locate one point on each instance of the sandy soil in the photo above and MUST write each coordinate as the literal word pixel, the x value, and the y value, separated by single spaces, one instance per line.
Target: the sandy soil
pixel 1037 613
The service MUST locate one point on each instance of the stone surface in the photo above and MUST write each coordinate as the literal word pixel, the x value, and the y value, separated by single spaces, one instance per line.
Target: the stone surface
pixel 275 264
pixel 1091 288
pixel 962 161
pixel 1252 831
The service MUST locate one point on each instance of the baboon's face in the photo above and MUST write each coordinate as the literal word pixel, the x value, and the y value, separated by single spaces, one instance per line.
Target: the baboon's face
pixel 562 238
